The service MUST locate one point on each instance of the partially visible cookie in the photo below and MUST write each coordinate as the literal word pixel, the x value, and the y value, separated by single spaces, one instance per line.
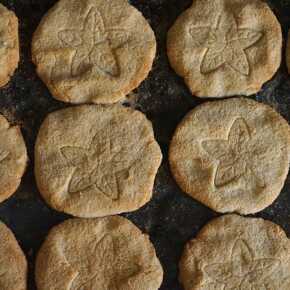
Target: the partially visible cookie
pixel 231 155
pixel 9 44
pixel 13 158
pixel 93 50
pixel 234 252
pixel 95 160
pixel 107 253
pixel 225 47
pixel 13 265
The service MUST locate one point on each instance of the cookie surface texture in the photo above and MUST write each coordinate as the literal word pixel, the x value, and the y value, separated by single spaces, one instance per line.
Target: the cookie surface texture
pixel 225 47
pixel 93 51
pixel 13 158
pixel 95 160
pixel 105 253
pixel 13 265
pixel 231 155
pixel 233 252
pixel 9 44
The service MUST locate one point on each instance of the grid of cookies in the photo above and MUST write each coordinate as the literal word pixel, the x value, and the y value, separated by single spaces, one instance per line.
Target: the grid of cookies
pixel 98 158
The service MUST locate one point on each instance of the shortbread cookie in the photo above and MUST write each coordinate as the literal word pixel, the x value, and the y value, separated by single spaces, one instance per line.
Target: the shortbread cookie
pixel 13 158
pixel 231 155
pixel 13 265
pixel 95 160
pixel 9 44
pixel 105 253
pixel 225 47
pixel 93 50
pixel 234 252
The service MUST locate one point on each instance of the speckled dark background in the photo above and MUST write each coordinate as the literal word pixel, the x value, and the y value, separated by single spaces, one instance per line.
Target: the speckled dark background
pixel 171 218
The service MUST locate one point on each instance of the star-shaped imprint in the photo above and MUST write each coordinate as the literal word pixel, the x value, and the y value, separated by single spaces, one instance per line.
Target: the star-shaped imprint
pixel 243 271
pixel 3 155
pixel 4 270
pixel 102 265
pixel 3 44
pixel 103 166
pixel 238 157
pixel 98 265
pixel 225 44
pixel 94 45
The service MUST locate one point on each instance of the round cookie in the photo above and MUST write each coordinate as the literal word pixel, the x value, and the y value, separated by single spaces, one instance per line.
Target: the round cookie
pixel 13 158
pixel 234 252
pixel 9 44
pixel 94 160
pixel 106 253
pixel 231 155
pixel 13 265
pixel 225 47
pixel 93 50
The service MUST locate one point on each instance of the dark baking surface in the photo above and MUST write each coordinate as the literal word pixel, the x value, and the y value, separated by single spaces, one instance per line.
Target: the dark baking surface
pixel 171 218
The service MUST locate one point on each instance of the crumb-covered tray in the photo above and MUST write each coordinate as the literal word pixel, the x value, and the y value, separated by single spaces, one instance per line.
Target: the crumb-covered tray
pixel 171 218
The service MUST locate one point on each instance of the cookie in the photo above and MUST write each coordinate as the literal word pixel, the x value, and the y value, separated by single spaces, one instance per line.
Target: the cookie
pixel 231 155
pixel 13 265
pixel 233 252
pixel 9 44
pixel 95 160
pixel 13 158
pixel 104 253
pixel 225 48
pixel 93 50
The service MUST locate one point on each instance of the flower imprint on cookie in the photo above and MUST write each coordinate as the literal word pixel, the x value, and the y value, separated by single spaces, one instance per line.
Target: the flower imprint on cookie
pixel 105 166
pixel 94 45
pixel 225 44
pixel 4 271
pixel 244 271
pixel 100 267
pixel 3 155
pixel 238 156
pixel 3 42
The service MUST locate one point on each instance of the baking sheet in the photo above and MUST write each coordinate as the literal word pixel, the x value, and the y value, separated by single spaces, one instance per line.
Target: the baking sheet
pixel 171 218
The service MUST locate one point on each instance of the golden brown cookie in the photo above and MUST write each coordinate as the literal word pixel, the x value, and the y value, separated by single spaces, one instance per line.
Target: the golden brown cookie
pixel 13 265
pixel 9 44
pixel 95 160
pixel 13 158
pixel 106 253
pixel 93 50
pixel 225 47
pixel 234 252
pixel 231 155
